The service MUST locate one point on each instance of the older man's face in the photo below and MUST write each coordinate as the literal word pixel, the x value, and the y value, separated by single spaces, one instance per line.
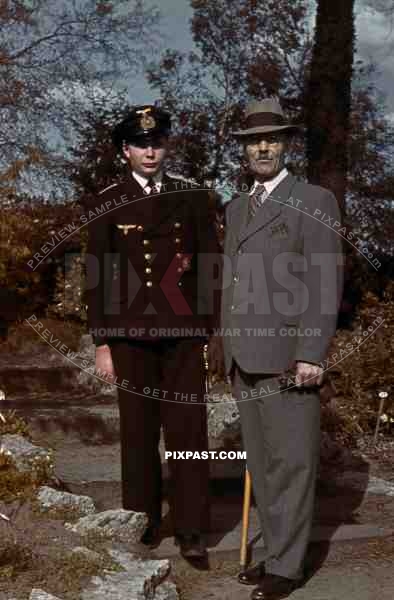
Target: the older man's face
pixel 266 154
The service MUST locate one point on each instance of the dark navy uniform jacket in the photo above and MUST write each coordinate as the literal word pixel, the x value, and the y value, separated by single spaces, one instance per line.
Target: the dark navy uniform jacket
pixel 152 262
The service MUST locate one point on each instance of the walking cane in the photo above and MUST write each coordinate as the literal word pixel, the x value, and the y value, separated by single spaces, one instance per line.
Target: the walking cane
pixel 245 520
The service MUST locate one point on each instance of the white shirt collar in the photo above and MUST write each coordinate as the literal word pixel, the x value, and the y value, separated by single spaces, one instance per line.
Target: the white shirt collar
pixel 271 184
pixel 157 178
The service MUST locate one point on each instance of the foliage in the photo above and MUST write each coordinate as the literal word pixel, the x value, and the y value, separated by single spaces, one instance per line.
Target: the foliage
pixel 14 559
pixel 371 174
pixel 94 162
pixel 359 375
pixel 13 424
pixel 68 293
pixel 56 58
pixel 247 50
pixel 243 49
pixel 21 484
pixel 27 228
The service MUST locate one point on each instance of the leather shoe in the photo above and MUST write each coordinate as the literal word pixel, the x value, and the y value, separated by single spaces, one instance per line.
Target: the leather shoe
pixel 191 545
pixel 252 576
pixel 274 587
pixel 151 537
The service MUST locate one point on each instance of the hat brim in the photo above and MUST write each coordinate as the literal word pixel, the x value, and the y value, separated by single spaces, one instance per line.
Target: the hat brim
pixel 266 129
pixel 121 136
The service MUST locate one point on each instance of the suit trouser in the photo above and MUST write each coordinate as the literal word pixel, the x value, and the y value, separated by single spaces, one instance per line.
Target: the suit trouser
pixel 281 433
pixel 172 366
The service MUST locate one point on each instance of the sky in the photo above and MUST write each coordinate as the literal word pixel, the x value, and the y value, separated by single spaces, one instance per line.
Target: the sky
pixel 375 42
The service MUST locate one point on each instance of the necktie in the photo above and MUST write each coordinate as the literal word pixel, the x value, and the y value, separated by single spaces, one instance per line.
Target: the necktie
pixel 150 184
pixel 256 200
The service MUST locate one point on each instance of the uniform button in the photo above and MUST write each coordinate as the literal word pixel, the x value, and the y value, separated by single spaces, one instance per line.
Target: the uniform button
pixel 239 251
pixel 179 270
pixel 180 283
pixel 232 307
pixel 149 284
pixel 179 255
pixel 140 228
pixel 177 240
pixel 146 242
pixel 147 256
pixel 236 278
pixel 148 270
pixel 177 225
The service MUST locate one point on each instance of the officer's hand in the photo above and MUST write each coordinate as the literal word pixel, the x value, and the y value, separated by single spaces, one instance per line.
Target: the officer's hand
pixel 216 356
pixel 308 375
pixel 104 361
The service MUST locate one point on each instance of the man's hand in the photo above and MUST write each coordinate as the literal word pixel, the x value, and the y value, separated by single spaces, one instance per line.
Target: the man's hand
pixel 216 356
pixel 104 361
pixel 308 375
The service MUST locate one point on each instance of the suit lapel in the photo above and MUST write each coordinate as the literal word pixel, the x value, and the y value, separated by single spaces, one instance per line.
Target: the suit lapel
pixel 271 209
pixel 236 219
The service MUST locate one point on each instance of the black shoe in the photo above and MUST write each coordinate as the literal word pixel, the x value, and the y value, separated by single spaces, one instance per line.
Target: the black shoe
pixel 151 537
pixel 252 576
pixel 274 587
pixel 191 545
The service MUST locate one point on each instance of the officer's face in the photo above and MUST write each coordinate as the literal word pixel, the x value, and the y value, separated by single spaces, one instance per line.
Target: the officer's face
pixel 265 153
pixel 146 156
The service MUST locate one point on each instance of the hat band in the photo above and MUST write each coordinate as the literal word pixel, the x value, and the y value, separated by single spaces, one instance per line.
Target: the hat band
pixel 264 119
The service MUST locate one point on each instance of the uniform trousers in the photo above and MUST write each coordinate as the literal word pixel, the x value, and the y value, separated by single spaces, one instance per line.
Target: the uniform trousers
pixel 281 433
pixel 174 367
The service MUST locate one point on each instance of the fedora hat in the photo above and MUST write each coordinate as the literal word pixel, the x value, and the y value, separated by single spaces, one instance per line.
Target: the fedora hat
pixel 265 116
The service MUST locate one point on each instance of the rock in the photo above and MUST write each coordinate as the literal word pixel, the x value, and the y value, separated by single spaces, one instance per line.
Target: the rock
pixel 87 378
pixel 94 558
pixel 50 499
pixel 139 580
pixel 37 594
pixel 87 348
pixel 122 525
pixel 166 591
pixel 363 482
pixel 84 360
pixel 26 457
pixel 224 426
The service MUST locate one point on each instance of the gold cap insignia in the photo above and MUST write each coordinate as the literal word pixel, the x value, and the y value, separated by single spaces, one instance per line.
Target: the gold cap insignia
pixel 147 121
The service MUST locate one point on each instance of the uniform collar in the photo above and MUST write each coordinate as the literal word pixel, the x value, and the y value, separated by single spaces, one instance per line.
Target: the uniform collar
pixel 143 181
pixel 271 184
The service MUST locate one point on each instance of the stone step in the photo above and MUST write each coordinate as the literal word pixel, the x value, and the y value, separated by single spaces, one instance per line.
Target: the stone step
pixel 20 379
pixel 84 420
pixel 88 464
pixel 91 423
pixel 39 402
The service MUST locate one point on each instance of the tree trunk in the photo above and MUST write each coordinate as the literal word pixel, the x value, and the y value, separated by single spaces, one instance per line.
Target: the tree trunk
pixel 328 100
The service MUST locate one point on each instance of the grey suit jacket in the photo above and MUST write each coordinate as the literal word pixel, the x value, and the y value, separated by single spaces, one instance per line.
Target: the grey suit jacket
pixel 282 278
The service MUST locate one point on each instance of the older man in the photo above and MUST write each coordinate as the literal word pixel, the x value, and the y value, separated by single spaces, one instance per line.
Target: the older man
pixel 281 309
